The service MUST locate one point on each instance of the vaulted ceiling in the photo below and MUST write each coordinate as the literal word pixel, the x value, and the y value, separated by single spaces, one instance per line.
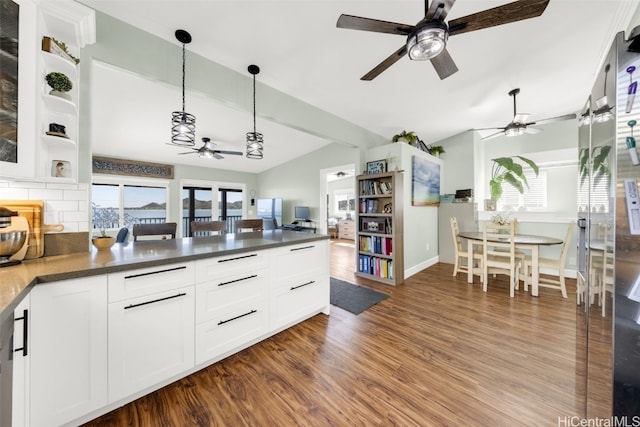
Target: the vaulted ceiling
pixel 552 59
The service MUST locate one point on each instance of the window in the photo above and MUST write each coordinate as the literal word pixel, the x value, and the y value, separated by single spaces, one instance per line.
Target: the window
pixel 230 206
pixel 144 204
pixel 196 206
pixel 533 198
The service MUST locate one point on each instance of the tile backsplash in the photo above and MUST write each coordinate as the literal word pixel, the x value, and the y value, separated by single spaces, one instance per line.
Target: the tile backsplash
pixel 66 204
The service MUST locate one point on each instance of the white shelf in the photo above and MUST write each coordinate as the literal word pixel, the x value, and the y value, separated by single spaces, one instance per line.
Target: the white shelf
pixel 59 141
pixel 55 104
pixel 53 62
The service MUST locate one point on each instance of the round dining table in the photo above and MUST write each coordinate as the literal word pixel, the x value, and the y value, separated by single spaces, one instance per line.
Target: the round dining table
pixel 525 241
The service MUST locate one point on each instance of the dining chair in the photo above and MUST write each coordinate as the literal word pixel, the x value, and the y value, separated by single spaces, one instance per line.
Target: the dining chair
pixel 123 235
pixel 499 254
pixel 602 278
pixel 163 229
pixel 556 281
pixel 461 256
pixel 243 225
pixel 206 228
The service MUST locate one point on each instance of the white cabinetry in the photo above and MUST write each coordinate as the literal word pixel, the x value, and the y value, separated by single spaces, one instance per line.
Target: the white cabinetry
pixel 231 303
pixel 300 282
pixel 67 350
pixel 20 399
pixel 151 321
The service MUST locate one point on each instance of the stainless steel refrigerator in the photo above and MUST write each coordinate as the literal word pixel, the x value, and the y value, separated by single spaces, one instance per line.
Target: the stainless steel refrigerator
pixel 608 285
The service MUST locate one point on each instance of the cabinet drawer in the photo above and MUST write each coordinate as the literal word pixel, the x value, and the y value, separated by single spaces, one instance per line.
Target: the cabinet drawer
pixel 219 296
pixel 230 329
pixel 293 260
pixel 219 267
pixel 298 299
pixel 147 281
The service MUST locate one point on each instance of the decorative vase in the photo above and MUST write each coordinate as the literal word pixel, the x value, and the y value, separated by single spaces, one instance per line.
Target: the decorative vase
pixel 103 243
pixel 63 95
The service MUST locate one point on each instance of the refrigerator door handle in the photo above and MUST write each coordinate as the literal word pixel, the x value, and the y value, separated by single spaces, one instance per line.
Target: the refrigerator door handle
pixel 582 245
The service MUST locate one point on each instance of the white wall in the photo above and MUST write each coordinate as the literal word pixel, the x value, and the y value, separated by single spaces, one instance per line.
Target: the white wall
pixel 340 186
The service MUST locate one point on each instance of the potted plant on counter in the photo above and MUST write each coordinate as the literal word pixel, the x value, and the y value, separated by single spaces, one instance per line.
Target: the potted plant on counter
pixel 103 218
pixel 60 85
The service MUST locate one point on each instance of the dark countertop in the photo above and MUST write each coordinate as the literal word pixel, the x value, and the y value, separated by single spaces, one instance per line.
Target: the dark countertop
pixel 15 281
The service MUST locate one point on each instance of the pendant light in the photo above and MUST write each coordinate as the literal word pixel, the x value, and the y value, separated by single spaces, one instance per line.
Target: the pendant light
pixel 254 139
pixel 183 124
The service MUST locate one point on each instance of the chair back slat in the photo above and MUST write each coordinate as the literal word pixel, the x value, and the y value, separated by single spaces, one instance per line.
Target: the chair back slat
pixel 163 229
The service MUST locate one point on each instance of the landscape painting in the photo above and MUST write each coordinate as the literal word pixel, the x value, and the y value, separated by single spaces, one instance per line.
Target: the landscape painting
pixel 425 182
pixel 9 14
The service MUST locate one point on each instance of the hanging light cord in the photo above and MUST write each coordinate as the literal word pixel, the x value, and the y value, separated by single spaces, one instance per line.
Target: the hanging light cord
pixel 254 103
pixel 183 72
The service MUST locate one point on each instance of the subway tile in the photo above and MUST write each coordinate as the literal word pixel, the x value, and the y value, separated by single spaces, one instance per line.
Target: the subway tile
pixel 68 216
pixel 60 205
pixel 74 195
pixel 60 186
pixel 27 184
pixel 14 193
pixel 4 184
pixel 83 226
pixel 83 186
pixel 70 227
pixel 44 194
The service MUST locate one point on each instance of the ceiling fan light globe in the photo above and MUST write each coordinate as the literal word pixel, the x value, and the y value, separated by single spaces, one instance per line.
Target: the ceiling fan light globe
pixel 427 43
pixel 514 131
pixel 602 117
pixel 205 154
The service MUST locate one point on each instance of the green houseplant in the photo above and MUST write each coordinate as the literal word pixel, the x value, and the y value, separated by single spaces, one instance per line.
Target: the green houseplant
pixel 599 164
pixel 508 170
pixel 60 84
pixel 436 150
pixel 410 137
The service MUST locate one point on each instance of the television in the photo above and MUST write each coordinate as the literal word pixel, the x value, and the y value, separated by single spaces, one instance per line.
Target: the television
pixel 302 213
pixel 270 208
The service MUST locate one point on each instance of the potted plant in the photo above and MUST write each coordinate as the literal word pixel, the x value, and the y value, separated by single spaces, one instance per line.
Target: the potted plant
pixel 409 137
pixel 63 46
pixel 507 170
pixel 102 219
pixel 436 150
pixel 60 84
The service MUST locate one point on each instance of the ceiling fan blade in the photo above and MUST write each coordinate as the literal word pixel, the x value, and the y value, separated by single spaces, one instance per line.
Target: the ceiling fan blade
pixel 367 24
pixel 439 9
pixel 392 59
pixel 189 152
pixel 217 156
pixel 505 14
pixel 493 135
pixel 520 117
pixel 553 119
pixel 532 131
pixel 232 153
pixel 500 129
pixel 444 64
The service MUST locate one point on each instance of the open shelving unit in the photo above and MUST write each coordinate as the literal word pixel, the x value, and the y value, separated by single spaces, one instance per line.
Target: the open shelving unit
pixel 379 241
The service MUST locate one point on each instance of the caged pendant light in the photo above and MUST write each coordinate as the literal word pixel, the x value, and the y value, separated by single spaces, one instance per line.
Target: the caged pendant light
pixel 254 139
pixel 183 124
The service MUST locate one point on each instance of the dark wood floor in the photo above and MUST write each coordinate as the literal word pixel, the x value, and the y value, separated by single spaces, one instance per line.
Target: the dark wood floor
pixel 437 352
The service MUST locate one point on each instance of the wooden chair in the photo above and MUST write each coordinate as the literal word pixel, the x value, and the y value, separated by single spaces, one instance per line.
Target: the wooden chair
pixel 461 256
pixel 550 263
pixel 163 229
pixel 249 225
pixel 499 254
pixel 602 265
pixel 123 235
pixel 206 228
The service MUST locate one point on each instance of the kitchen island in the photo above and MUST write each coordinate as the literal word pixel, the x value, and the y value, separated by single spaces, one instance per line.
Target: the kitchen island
pixel 107 327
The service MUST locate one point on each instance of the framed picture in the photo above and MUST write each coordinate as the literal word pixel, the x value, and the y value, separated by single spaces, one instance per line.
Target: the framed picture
pixel 425 182
pixel 378 166
pixel 61 169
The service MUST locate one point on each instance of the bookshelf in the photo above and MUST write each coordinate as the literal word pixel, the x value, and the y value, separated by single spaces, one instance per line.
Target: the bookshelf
pixel 379 241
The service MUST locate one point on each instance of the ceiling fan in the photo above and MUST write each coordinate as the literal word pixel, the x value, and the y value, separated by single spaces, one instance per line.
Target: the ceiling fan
pixel 428 38
pixel 518 125
pixel 208 150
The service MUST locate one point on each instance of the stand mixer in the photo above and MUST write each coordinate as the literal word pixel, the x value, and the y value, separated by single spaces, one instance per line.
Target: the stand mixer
pixel 11 241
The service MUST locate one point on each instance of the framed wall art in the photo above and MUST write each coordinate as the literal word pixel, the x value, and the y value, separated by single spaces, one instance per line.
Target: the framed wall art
pixel 425 182
pixel 377 166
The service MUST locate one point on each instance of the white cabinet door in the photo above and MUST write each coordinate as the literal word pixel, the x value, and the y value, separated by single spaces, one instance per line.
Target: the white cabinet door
pixel 20 400
pixel 151 339
pixel 68 350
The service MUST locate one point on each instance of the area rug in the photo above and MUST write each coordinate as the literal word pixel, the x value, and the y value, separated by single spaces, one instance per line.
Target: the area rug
pixel 354 298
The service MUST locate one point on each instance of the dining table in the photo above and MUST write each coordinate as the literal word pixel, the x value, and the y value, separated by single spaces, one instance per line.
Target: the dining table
pixel 524 241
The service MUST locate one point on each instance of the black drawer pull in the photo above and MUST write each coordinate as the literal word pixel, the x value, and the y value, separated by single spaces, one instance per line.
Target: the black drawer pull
pixel 222 322
pixel 155 272
pixel 154 301
pixel 237 280
pixel 293 288
pixel 25 332
pixel 237 258
pixel 304 247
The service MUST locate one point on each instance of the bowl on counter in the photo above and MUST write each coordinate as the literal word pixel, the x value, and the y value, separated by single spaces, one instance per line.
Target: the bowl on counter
pixel 10 243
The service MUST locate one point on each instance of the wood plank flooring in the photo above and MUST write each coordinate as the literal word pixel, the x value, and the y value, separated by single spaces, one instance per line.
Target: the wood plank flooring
pixel 437 352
